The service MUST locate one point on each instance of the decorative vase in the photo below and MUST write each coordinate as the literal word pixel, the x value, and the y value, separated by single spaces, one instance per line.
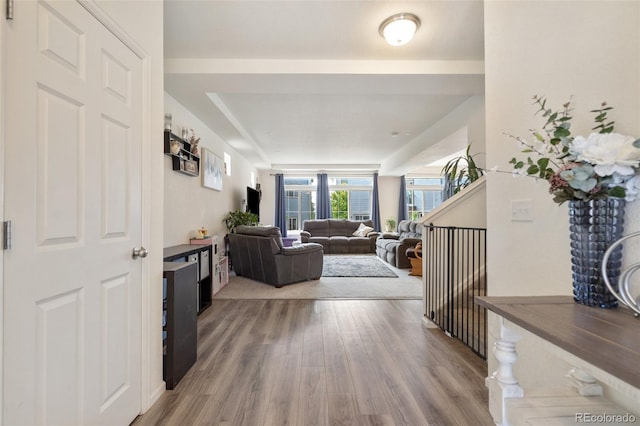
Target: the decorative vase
pixel 594 226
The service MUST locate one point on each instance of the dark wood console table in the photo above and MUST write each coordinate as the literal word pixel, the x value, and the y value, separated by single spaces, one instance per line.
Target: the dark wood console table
pixel 606 338
pixel 181 320
pixel 203 255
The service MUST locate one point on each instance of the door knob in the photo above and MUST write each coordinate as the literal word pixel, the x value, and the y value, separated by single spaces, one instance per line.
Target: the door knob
pixel 139 252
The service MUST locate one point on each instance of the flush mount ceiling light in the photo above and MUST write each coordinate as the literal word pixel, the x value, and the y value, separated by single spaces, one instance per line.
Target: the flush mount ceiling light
pixel 399 28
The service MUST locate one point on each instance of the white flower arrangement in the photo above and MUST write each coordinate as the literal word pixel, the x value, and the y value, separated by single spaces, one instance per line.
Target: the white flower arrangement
pixel 603 164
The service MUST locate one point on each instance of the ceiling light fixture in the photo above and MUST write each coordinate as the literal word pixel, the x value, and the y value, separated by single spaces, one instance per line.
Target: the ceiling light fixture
pixel 399 29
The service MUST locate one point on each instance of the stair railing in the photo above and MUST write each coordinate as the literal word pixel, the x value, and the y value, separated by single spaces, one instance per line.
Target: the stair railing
pixel 455 273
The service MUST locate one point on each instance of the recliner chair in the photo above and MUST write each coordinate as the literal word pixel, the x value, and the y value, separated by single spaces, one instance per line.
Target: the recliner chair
pixel 257 252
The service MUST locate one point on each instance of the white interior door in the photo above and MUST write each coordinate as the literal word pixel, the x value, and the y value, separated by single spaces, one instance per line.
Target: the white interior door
pixel 73 193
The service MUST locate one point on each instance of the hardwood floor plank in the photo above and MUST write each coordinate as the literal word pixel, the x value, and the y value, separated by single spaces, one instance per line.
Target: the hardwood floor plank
pixel 313 409
pixel 342 409
pixel 402 405
pixel 282 408
pixel 375 420
pixel 335 360
pixel 313 341
pixel 364 377
pixel 308 363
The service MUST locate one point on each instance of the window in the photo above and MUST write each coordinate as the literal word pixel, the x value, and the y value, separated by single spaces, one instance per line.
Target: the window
pixel 300 200
pixel 227 164
pixel 350 199
pixel 423 195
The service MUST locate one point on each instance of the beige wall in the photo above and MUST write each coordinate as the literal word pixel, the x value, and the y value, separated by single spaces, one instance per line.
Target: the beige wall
pixel 586 49
pixel 188 205
pixel 388 193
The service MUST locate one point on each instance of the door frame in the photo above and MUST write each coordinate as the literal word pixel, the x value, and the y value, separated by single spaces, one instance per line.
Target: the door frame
pixel 148 394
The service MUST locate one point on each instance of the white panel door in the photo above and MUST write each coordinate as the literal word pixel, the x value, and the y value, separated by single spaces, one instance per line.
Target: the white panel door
pixel 73 193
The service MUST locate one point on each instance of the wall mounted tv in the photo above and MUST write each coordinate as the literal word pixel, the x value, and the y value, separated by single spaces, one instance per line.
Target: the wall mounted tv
pixel 253 201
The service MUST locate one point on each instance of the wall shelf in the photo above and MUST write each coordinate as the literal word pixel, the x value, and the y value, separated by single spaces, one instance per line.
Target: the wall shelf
pixel 182 159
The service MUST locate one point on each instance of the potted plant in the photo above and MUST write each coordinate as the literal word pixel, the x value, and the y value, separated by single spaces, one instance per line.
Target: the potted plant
pixel 239 217
pixel 390 225
pixel 460 172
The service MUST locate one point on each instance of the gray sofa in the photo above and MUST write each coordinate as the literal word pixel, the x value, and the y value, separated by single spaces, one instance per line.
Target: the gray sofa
pixel 336 235
pixel 391 247
pixel 257 252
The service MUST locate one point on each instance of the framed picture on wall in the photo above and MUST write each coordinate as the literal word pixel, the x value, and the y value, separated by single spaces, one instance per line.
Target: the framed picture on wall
pixel 212 170
pixel 191 166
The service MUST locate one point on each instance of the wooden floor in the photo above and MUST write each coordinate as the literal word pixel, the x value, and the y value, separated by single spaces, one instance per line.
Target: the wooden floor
pixel 306 362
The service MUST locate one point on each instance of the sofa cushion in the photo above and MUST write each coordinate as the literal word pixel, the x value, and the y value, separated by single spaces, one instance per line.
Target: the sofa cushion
pixel 323 241
pixel 409 229
pixel 387 244
pixel 272 232
pixel 340 227
pixel 339 244
pixel 359 245
pixel 362 231
pixel 317 227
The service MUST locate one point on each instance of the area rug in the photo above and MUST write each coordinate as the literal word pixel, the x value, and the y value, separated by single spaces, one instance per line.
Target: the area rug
pixel 358 265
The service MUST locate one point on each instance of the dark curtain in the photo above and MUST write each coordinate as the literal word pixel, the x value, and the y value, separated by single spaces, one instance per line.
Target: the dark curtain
pixel 281 205
pixel 402 201
pixel 323 198
pixel 375 204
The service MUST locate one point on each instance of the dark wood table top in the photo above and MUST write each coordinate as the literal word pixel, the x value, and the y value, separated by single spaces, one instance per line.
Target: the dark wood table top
pixel 606 338
pixel 182 250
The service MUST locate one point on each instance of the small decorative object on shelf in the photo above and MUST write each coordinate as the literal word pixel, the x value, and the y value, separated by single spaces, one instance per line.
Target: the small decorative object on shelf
pixel 596 174
pixel 167 121
pixel 175 147
pixel 202 233
pixel 194 142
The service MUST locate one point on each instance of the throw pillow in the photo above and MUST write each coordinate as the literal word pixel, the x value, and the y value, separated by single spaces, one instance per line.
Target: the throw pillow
pixel 362 231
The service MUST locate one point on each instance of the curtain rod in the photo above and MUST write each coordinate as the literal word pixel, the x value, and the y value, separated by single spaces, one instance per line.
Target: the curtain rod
pixel 333 173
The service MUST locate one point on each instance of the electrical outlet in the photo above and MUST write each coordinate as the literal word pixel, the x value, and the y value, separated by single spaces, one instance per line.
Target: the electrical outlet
pixel 521 211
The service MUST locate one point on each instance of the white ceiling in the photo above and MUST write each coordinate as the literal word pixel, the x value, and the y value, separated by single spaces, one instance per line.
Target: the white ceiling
pixel 311 84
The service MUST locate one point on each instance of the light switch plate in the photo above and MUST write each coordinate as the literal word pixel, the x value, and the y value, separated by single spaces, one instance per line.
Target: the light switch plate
pixel 522 210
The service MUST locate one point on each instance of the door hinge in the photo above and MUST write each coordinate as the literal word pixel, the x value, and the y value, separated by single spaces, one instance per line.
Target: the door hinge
pixel 9 10
pixel 6 235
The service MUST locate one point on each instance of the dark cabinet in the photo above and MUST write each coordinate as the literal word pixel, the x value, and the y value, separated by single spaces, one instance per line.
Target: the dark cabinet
pixel 201 254
pixel 180 329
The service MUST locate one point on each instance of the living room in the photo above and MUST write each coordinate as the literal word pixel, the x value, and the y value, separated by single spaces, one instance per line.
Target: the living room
pixel 585 50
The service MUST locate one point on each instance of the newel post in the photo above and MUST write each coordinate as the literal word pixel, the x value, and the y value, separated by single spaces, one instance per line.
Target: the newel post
pixel 502 384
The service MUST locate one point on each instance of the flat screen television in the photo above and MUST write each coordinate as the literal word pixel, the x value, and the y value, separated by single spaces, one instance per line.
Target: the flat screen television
pixel 253 201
